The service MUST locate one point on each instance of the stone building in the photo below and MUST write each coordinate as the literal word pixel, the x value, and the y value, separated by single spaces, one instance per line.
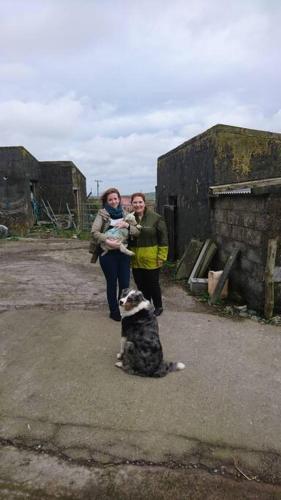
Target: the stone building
pixel 62 183
pixel 25 181
pixel 225 155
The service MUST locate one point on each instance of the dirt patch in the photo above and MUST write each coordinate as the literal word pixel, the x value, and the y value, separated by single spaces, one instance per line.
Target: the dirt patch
pixel 57 274
pixel 49 274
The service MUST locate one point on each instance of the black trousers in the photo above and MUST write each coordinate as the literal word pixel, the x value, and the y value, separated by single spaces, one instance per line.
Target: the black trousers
pixel 147 281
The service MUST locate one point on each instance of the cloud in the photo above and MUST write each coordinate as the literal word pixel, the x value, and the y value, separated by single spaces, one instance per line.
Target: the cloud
pixel 55 119
pixel 112 85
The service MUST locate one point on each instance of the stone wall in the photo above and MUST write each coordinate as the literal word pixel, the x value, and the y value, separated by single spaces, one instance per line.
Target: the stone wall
pixel 223 154
pixel 62 183
pixel 183 179
pixel 80 194
pixel 18 171
pixel 22 178
pixel 249 221
pixel 56 185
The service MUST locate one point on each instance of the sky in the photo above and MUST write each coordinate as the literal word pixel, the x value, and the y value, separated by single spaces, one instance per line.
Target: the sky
pixel 113 84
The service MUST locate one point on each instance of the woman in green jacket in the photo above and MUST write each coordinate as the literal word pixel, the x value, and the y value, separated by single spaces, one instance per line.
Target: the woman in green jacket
pixel 151 250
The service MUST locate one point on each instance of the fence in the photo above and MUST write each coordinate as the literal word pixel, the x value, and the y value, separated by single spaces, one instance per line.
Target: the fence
pixel 89 212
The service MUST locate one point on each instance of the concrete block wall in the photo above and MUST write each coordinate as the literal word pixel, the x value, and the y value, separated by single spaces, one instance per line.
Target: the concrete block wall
pixel 249 221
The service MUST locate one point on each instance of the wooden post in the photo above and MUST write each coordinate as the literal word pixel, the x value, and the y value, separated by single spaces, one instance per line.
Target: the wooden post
pixel 269 279
pixel 230 262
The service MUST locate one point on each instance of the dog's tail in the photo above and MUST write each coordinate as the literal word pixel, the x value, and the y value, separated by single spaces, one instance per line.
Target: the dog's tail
pixel 166 368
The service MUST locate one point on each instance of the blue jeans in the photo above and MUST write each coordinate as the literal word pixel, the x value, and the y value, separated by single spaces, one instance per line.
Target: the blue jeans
pixel 116 269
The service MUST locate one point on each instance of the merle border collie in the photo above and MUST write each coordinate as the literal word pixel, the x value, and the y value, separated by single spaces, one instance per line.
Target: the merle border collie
pixel 141 350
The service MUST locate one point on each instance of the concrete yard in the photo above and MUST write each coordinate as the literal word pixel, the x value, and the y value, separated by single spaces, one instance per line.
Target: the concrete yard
pixel 74 426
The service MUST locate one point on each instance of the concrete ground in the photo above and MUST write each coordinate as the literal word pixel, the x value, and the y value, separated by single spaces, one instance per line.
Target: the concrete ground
pixel 74 426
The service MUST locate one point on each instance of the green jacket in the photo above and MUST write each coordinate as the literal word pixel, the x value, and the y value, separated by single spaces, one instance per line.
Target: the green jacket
pixel 152 243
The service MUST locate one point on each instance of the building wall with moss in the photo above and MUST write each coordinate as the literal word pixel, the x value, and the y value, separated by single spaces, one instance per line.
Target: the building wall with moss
pixel 18 177
pixel 222 154
pixel 24 179
pixel 62 184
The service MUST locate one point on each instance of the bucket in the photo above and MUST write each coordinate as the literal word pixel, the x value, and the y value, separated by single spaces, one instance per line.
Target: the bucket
pixel 213 278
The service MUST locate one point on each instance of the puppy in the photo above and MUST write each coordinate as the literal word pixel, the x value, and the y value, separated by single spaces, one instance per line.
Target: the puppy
pixel 121 234
pixel 141 349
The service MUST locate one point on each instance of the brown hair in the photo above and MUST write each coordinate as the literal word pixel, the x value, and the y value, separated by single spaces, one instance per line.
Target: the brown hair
pixel 107 193
pixel 137 194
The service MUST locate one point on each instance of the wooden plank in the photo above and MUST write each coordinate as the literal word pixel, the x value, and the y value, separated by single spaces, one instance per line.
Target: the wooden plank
pixel 229 265
pixel 188 259
pixel 268 278
pixel 211 250
pixel 198 262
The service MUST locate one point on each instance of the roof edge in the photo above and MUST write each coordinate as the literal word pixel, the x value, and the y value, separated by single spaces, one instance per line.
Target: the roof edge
pixel 218 128
pixel 67 163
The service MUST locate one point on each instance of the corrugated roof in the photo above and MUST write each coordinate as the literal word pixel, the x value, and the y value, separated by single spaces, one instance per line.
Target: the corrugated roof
pixel 236 191
pixel 246 187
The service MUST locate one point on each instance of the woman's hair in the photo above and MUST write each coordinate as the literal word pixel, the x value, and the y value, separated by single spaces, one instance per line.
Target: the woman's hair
pixel 108 192
pixel 137 194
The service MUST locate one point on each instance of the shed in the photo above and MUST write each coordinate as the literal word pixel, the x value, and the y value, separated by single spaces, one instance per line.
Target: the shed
pixel 225 184
pixel 19 175
pixel 25 181
pixel 220 155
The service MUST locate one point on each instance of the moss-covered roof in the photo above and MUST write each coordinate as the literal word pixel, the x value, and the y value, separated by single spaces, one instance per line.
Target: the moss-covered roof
pixel 17 151
pixel 226 133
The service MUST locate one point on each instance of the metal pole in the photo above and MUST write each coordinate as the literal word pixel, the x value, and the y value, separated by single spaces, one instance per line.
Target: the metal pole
pixel 98 181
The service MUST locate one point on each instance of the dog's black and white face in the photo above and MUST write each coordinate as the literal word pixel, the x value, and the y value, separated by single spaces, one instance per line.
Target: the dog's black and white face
pixel 131 302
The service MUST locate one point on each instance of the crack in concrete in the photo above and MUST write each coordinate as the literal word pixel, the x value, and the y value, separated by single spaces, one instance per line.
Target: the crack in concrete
pixel 169 465
pixel 205 444
pixel 195 458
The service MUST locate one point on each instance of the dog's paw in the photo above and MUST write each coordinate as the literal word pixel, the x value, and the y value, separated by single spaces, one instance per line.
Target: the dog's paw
pixel 180 366
pixel 119 355
pixel 119 364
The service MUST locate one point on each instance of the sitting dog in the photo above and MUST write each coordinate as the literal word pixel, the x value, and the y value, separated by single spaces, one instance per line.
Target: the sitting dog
pixel 141 349
pixel 117 233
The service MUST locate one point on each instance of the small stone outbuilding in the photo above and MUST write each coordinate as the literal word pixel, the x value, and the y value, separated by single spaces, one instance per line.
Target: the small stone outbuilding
pixel 201 191
pixel 25 181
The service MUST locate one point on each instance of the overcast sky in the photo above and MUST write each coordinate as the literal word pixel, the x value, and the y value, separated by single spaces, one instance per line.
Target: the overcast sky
pixel 113 84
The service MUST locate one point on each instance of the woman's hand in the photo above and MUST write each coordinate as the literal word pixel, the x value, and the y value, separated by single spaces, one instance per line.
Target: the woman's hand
pixel 160 262
pixel 114 244
pixel 122 224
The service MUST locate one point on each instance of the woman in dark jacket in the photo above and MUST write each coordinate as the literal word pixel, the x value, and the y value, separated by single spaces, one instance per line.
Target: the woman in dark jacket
pixel 150 249
pixel 115 264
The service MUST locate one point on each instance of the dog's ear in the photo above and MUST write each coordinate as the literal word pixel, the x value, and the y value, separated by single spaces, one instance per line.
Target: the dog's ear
pixel 125 292
pixel 139 295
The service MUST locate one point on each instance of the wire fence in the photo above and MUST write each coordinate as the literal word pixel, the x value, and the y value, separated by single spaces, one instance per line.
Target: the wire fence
pixel 89 212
